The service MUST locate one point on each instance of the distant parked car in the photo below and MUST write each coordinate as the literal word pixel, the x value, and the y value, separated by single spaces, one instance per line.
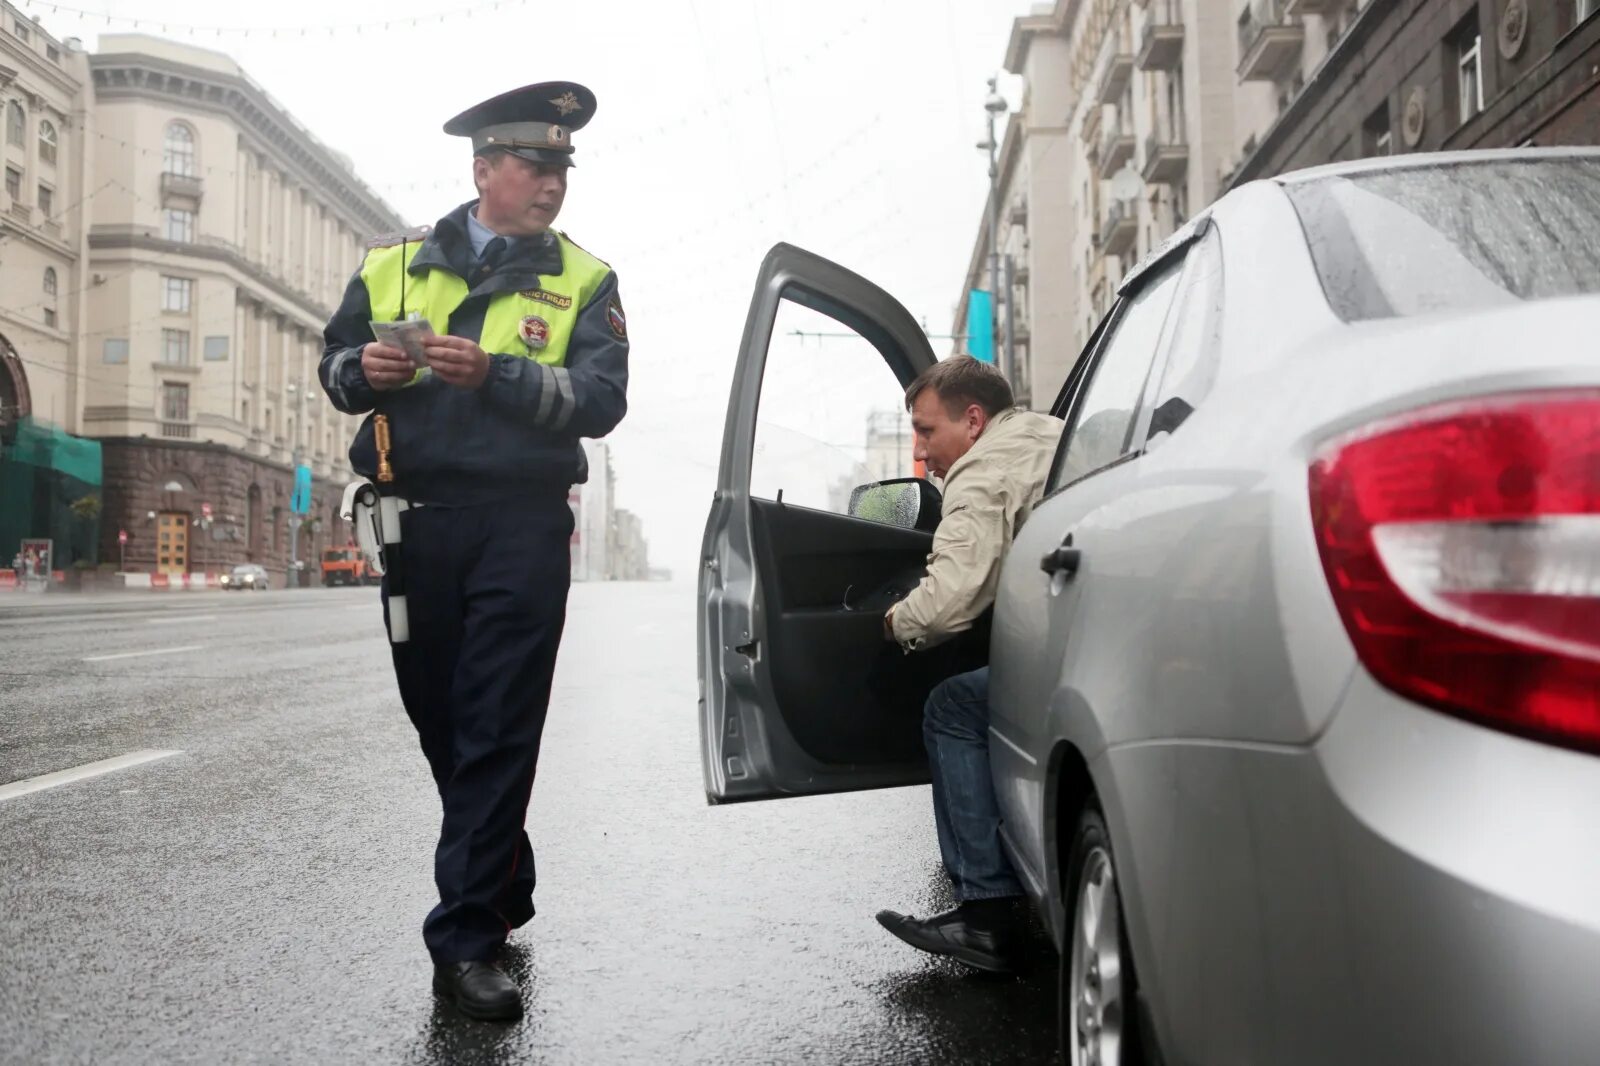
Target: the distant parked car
pixel 1295 696
pixel 245 576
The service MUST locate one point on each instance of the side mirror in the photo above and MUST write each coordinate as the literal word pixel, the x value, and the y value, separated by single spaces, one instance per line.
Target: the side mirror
pixel 909 503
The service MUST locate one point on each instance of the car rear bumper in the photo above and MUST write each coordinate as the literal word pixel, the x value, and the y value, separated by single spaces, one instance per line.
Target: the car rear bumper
pixel 1410 889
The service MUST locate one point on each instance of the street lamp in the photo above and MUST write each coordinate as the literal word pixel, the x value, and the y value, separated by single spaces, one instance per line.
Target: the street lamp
pixel 296 390
pixel 995 105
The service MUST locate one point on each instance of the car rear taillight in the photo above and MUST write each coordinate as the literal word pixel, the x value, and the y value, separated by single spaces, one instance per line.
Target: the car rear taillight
pixel 1462 545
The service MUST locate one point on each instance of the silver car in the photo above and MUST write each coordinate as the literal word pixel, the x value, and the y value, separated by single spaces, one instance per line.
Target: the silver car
pixel 1296 670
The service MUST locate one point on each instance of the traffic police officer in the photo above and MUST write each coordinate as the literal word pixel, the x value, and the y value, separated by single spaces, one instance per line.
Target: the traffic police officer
pixel 529 353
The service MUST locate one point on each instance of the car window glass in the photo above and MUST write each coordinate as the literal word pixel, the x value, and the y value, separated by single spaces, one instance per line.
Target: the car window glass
pixel 1196 339
pixel 1453 236
pixel 1102 426
pixel 831 418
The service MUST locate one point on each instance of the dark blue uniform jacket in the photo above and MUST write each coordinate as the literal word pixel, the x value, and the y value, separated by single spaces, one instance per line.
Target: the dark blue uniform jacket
pixel 454 445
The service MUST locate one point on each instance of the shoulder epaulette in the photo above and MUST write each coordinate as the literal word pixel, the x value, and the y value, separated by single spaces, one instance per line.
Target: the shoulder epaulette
pixel 410 236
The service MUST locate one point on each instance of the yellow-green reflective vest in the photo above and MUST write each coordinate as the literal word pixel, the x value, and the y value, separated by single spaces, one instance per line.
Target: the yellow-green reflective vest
pixel 510 326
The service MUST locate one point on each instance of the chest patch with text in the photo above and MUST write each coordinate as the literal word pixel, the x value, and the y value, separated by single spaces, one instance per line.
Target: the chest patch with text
pixel 545 296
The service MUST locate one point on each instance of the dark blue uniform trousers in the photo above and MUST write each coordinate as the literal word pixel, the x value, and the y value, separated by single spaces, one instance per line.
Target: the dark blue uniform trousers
pixel 486 592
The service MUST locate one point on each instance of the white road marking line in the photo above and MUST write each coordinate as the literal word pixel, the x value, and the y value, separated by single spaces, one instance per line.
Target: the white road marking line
pixel 185 618
pixel 137 654
pixel 79 773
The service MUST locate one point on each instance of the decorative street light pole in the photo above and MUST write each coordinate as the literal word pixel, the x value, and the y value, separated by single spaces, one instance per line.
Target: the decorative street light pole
pixel 995 106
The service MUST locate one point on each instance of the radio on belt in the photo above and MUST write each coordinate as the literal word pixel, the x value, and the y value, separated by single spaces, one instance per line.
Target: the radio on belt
pixel 376 519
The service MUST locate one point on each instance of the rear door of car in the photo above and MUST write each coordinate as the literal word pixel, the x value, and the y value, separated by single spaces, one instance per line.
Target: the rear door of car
pixel 799 691
pixel 1073 574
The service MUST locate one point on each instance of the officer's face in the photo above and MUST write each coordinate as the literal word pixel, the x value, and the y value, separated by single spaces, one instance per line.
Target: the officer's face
pixel 943 436
pixel 516 197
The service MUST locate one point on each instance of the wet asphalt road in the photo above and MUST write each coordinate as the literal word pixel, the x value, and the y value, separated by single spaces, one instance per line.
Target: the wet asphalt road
pixel 258 897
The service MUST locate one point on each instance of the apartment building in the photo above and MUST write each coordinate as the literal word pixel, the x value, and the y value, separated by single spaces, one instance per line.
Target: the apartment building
pixel 223 235
pixel 1128 123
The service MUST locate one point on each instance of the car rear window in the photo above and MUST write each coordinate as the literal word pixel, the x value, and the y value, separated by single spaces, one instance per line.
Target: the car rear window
pixel 1453 236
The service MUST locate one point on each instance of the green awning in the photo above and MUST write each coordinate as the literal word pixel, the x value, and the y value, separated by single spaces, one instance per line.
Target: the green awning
pixel 43 445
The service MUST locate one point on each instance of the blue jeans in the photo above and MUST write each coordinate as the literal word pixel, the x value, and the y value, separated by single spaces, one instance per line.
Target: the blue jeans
pixel 955 726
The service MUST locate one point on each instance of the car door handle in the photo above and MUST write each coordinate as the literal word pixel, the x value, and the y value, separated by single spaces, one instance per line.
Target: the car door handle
pixel 1064 560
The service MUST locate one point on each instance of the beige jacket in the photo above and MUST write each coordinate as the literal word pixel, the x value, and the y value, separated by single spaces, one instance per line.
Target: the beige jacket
pixel 988 494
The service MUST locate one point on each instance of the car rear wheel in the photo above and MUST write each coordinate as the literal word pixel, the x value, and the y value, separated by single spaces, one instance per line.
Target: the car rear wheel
pixel 1099 1023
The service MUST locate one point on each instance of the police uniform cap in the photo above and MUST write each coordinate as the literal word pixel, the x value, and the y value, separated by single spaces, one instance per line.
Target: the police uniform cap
pixel 534 122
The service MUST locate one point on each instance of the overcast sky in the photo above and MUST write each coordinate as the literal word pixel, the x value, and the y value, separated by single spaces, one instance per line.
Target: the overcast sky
pixel 724 126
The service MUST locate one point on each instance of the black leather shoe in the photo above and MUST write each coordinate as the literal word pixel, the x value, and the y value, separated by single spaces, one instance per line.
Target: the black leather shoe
pixel 479 990
pixel 951 933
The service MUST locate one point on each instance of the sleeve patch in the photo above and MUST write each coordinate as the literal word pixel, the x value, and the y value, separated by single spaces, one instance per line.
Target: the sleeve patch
pixel 616 320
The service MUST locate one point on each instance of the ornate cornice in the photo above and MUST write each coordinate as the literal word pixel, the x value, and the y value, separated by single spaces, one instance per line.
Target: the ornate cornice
pixel 133 75
pixel 106 238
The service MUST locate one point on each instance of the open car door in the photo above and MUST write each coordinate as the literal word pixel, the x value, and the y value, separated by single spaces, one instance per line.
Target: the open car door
pixel 799 691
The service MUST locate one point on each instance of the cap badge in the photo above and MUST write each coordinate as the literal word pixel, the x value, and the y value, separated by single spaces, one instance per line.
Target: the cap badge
pixel 567 103
pixel 535 332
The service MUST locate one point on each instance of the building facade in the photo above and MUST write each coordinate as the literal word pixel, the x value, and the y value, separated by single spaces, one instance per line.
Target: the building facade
pixel 1391 76
pixel 222 238
pixel 48 476
pixel 1135 114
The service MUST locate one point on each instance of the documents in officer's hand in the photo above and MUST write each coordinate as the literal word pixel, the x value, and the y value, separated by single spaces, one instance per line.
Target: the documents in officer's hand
pixel 408 336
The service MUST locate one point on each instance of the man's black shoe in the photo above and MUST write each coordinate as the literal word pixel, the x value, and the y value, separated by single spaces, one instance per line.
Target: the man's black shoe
pixel 479 990
pixel 952 933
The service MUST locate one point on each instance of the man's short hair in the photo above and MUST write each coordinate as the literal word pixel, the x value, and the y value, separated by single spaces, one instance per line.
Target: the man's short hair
pixel 962 381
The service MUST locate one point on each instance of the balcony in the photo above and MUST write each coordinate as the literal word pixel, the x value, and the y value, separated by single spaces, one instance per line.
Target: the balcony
pixel 1018 215
pixel 181 187
pixel 1091 126
pixel 177 430
pixel 53 229
pixel 1120 229
pixel 1269 42
pixel 1162 47
pixel 1296 8
pixel 21 212
pixel 1115 151
pixel 1166 159
pixel 1119 70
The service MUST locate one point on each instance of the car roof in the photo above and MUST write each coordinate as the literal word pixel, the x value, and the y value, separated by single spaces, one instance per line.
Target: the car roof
pixel 1423 160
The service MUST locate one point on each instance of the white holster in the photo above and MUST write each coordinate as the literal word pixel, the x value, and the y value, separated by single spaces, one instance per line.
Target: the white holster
pixel 376 521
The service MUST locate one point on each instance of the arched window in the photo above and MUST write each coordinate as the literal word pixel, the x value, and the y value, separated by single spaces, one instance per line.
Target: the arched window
pixel 177 153
pixel 47 141
pixel 49 281
pixel 16 125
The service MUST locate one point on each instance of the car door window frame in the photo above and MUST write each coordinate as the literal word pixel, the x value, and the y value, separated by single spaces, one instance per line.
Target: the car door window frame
pixel 1070 400
pixel 1135 447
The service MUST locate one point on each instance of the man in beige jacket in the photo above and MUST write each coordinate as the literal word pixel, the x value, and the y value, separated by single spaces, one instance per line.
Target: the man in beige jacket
pixel 994 460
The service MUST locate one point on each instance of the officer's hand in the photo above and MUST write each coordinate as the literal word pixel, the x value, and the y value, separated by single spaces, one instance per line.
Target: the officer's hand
pixel 385 366
pixel 457 361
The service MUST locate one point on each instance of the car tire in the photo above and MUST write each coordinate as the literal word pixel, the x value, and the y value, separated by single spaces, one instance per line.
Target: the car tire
pixel 1098 990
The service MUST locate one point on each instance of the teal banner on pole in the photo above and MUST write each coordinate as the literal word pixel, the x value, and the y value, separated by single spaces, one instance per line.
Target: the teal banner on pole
pixel 300 502
pixel 980 325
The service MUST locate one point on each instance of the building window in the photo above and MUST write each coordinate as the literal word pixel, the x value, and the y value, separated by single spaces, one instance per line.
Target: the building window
pixel 175 347
pixel 180 225
pixel 50 317
pixel 16 125
pixel 49 281
pixel 14 183
pixel 52 53
pixel 177 154
pixel 114 350
pixel 216 349
pixel 176 293
pixel 174 401
pixel 19 29
pixel 47 200
pixel 1377 133
pixel 47 141
pixel 1469 70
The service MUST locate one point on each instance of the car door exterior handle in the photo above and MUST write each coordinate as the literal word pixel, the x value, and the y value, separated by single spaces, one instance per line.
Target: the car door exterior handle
pixel 1064 560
